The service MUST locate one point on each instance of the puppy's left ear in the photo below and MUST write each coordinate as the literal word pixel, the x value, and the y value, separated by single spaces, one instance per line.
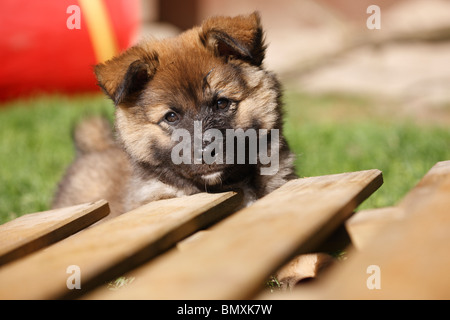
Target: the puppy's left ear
pixel 238 37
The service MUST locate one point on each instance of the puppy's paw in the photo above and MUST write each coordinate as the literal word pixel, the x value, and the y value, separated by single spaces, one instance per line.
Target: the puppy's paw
pixel 302 267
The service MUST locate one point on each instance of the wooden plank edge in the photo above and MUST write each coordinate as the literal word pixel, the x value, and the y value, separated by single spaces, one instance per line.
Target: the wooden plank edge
pixel 438 175
pixel 220 209
pixel 364 225
pixel 59 231
pixel 344 213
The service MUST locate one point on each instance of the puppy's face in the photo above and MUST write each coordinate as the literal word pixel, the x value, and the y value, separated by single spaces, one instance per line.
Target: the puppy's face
pixel 209 77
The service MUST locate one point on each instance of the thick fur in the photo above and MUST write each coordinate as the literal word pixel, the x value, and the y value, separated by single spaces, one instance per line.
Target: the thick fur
pixel 213 73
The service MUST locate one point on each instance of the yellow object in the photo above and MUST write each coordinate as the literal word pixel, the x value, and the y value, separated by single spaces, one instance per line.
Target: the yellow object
pixel 100 29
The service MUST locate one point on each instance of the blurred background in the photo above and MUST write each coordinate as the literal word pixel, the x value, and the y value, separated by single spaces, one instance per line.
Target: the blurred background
pixel 355 98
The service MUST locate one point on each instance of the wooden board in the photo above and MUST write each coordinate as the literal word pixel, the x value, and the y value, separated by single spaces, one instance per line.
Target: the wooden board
pixel 432 189
pixel 109 249
pixel 412 255
pixel 34 231
pixel 364 225
pixel 233 260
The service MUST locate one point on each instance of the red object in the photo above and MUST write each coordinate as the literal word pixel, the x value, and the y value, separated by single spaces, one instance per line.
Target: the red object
pixel 39 53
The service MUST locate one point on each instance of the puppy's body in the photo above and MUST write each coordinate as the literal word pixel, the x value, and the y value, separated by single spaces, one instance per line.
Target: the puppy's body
pixel 210 75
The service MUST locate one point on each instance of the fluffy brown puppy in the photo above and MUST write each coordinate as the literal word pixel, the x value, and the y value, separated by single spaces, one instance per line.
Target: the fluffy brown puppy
pixel 175 99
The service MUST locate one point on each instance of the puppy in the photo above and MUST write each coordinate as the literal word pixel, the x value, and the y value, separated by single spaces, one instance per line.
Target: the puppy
pixel 194 113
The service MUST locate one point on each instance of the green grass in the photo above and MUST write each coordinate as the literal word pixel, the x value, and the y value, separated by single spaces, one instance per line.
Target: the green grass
pixel 335 134
pixel 36 147
pixel 329 133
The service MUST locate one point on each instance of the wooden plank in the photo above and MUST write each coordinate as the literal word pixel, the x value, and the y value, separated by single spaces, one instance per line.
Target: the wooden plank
pixel 364 225
pixel 412 254
pixel 110 249
pixel 430 189
pixel 34 231
pixel 236 257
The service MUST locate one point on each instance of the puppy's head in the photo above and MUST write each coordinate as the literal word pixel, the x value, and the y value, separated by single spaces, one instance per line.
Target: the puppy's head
pixel 209 77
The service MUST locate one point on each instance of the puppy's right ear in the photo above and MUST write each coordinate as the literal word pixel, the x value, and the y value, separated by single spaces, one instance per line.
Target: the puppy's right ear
pixel 124 77
pixel 239 37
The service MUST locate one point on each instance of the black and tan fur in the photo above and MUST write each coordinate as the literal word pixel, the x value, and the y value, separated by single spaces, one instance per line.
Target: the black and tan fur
pixel 213 73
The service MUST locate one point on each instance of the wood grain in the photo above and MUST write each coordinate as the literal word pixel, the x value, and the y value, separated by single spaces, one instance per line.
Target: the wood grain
pixel 110 249
pixel 233 260
pixel 432 190
pixel 412 253
pixel 364 226
pixel 34 231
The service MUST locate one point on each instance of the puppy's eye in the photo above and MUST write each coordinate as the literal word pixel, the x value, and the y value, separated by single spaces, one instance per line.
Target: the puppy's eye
pixel 171 117
pixel 223 104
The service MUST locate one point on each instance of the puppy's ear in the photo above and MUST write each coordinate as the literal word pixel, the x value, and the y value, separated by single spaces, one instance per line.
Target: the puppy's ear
pixel 125 76
pixel 238 37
